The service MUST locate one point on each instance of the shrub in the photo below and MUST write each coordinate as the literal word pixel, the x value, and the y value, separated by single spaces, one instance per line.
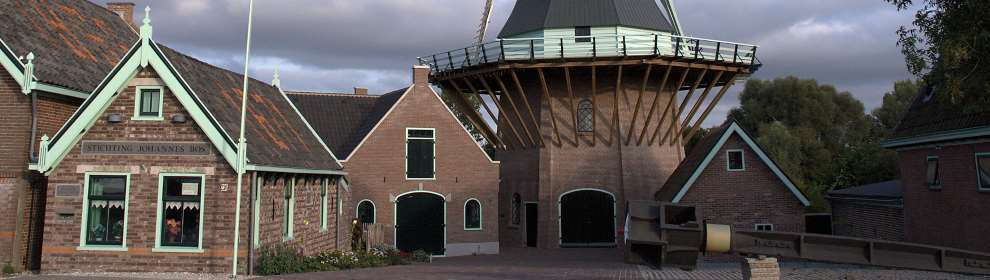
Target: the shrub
pixel 8 269
pixel 282 259
pixel 421 256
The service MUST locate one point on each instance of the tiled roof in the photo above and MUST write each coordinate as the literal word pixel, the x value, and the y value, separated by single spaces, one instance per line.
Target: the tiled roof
pixel 531 15
pixel 888 189
pixel 931 115
pixel 277 136
pixel 76 42
pixel 343 120
pixel 690 163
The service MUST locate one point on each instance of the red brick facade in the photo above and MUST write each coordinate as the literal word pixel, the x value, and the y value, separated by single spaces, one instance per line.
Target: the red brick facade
pixel 955 215
pixel 744 198
pixel 868 220
pixel 376 170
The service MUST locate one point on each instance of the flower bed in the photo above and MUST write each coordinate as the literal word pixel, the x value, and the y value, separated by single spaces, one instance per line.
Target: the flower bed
pixel 283 259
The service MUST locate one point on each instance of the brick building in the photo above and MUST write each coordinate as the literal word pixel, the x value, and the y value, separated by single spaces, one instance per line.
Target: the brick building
pixel 734 182
pixel 874 211
pixel 413 167
pixel 53 53
pixel 944 155
pixel 142 177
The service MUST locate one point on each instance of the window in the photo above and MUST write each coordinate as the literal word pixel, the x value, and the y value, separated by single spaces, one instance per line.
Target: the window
pixel 257 212
pixel 472 214
pixel 586 116
pixel 983 170
pixel 582 34
pixel 106 210
pixel 323 204
pixel 148 103
pixel 932 173
pixel 735 160
pixel 420 153
pixel 366 212
pixel 289 204
pixel 180 210
pixel 764 227
pixel 514 215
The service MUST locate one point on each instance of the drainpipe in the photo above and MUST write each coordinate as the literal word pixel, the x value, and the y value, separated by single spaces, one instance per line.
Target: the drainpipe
pixel 253 195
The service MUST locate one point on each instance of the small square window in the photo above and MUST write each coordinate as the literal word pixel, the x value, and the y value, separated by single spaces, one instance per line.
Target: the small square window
pixel 735 160
pixel 983 170
pixel 148 103
pixel 582 34
pixel 932 176
pixel 764 227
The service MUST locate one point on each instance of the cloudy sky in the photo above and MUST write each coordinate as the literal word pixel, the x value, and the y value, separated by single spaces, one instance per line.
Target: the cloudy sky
pixel 335 45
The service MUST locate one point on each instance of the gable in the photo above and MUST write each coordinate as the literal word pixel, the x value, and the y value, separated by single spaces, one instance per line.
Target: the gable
pixel 711 150
pixel 343 120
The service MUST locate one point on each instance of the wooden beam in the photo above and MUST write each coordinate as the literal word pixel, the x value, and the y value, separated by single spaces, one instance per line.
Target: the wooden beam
pixel 711 106
pixel 488 110
pixel 515 109
pixel 639 100
pixel 656 101
pixel 671 105
pixel 467 108
pixel 470 114
pixel 594 108
pixel 570 95
pixel 674 122
pixel 525 102
pixel 615 110
pixel 501 112
pixel 546 95
pixel 697 104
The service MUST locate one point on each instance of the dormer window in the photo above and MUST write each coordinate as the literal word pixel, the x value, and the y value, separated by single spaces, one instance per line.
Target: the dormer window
pixel 148 103
pixel 582 34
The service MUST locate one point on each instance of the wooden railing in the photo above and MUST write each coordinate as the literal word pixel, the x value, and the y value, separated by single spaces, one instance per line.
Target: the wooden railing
pixel 374 235
pixel 531 49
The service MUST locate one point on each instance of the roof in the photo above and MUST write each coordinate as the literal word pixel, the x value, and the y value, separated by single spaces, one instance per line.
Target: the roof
pixel 701 155
pixel 343 120
pixel 881 190
pixel 531 15
pixel 276 134
pixel 76 42
pixel 931 115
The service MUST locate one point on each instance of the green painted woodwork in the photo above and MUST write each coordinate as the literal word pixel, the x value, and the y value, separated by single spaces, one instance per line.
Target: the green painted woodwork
pixel 85 213
pixel 161 212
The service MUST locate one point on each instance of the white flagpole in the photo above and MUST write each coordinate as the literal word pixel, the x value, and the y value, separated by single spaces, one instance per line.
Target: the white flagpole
pixel 242 143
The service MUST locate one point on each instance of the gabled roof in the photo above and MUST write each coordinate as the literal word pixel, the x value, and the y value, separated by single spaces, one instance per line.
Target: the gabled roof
pixel 881 190
pixel 531 15
pixel 76 42
pixel 343 120
pixel 931 119
pixel 701 155
pixel 279 139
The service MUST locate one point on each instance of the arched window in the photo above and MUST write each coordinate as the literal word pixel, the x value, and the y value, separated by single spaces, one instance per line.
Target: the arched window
pixel 366 212
pixel 516 202
pixel 585 116
pixel 472 214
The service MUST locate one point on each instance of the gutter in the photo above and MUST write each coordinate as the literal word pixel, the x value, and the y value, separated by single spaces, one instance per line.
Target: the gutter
pixel 277 169
pixel 937 137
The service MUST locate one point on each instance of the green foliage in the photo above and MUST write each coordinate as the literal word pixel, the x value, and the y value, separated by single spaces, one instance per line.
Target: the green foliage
pixel 8 269
pixel 475 102
pixel 283 259
pixel 820 137
pixel 949 46
pixel 702 132
pixel 895 104
pixel 421 256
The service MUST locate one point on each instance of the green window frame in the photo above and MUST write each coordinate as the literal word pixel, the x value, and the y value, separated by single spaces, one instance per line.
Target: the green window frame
pixel 259 182
pixel 472 215
pixel 581 34
pixel 148 103
pixel 289 204
pixel 323 204
pixel 983 171
pixel 932 173
pixel 735 160
pixel 421 154
pixel 181 202
pixel 95 196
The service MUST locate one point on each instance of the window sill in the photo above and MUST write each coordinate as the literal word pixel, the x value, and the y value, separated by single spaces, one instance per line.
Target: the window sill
pixel 101 248
pixel 473 229
pixel 145 118
pixel 736 170
pixel 323 230
pixel 421 179
pixel 287 239
pixel 177 250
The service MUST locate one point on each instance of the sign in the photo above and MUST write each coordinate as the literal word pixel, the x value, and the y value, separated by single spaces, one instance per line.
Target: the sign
pixel 191 189
pixel 145 148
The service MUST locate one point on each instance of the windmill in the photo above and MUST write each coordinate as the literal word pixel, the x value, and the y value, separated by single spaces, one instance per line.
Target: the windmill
pixel 486 17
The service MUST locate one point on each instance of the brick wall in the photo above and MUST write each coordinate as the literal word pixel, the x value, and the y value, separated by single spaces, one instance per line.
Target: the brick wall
pixel 954 216
pixel 744 198
pixel 377 171
pixel 307 233
pixel 866 220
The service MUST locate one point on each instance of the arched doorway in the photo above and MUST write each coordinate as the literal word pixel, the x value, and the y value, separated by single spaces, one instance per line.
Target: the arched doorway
pixel 587 218
pixel 420 222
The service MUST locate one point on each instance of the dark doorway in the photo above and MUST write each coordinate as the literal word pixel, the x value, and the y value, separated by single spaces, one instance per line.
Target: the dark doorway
pixel 419 223
pixel 587 219
pixel 531 224
pixel 818 223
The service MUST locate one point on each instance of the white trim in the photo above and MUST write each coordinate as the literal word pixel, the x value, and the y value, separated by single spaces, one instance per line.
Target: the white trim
pixel 258 186
pixel 310 127
pixel 374 211
pixel 481 216
pixel 560 228
pixel 756 227
pixel 979 180
pixel 379 123
pixel 728 165
pixel 276 169
pixel 289 212
pixel 434 138
pixel 735 129
pixel 395 217
pixel 138 98
pixel 324 204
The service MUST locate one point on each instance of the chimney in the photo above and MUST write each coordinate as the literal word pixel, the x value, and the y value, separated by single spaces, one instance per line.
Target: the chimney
pixel 360 91
pixel 125 10
pixel 421 75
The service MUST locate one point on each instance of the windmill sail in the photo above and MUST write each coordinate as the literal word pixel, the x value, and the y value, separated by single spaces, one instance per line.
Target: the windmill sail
pixel 486 17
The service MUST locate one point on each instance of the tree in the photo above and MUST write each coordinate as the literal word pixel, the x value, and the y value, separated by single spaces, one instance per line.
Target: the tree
pixel 474 100
pixel 895 104
pixel 949 46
